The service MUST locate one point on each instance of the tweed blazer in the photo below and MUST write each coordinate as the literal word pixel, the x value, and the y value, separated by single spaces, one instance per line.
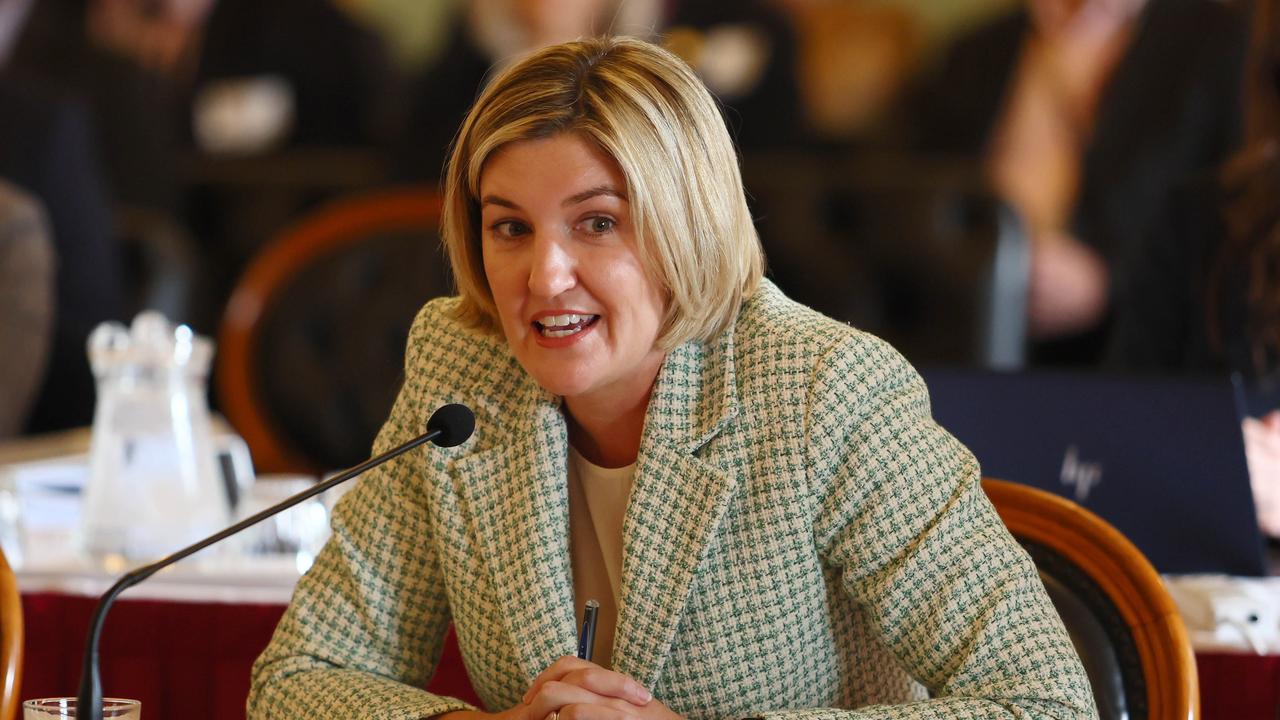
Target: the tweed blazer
pixel 801 539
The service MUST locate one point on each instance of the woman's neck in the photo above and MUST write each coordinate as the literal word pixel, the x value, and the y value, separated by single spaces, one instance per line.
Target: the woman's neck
pixel 608 441
pixel 605 426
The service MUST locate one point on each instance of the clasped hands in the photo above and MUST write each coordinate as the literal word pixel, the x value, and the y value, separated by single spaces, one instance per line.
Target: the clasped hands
pixel 575 689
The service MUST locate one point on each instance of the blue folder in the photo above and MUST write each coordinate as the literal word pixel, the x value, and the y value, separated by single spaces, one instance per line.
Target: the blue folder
pixel 1161 459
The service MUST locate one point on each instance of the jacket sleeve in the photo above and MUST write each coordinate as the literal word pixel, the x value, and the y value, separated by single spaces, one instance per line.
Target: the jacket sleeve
pixel 366 625
pixel 903 516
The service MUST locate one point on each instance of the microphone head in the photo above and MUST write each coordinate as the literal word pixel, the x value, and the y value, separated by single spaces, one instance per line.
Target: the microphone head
pixel 455 422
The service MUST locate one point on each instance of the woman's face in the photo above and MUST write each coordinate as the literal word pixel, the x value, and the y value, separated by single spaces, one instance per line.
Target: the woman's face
pixel 576 305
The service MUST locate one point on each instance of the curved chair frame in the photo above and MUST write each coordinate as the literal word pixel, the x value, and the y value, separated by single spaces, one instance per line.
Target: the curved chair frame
pixel 333 226
pixel 12 638
pixel 1123 573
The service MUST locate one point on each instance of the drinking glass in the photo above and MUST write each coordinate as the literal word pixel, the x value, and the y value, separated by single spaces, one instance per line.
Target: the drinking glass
pixel 299 531
pixel 65 708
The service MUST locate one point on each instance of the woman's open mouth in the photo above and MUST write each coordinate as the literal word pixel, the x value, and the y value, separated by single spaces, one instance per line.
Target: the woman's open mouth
pixel 558 326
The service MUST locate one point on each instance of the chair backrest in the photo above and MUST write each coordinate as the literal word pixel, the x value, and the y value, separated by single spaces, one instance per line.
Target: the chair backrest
pixel 921 254
pixel 312 343
pixel 1121 618
pixel 11 642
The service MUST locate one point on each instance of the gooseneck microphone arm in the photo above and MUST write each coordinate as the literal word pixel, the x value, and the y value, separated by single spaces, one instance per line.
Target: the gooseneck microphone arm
pixel 450 425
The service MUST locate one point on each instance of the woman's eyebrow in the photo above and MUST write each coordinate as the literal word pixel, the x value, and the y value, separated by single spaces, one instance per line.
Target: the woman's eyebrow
pixel 498 200
pixel 594 192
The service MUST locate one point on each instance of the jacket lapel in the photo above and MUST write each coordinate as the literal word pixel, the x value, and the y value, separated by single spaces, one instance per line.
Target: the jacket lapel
pixel 677 502
pixel 518 508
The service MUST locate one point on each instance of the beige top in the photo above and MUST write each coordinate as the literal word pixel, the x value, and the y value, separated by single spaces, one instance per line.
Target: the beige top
pixel 597 503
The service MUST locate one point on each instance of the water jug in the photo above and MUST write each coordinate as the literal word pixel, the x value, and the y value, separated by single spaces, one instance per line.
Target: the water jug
pixel 154 484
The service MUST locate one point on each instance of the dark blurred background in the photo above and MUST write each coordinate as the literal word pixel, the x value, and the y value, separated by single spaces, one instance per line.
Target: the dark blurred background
pixel 986 183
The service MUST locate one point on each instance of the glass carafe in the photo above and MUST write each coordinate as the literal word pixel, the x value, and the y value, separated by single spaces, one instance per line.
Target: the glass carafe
pixel 153 484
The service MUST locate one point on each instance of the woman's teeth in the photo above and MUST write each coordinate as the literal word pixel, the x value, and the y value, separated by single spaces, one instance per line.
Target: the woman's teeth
pixel 558 326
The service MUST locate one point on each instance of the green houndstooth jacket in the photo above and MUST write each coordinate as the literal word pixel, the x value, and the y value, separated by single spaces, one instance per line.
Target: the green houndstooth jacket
pixel 801 540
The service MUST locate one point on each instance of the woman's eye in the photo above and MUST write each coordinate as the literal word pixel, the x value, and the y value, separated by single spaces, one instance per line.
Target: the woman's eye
pixel 509 228
pixel 599 225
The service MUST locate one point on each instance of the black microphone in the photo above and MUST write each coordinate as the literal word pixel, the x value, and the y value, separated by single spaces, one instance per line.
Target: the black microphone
pixel 449 426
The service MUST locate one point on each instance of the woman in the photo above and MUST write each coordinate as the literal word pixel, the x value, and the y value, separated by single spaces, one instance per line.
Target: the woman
pixel 796 532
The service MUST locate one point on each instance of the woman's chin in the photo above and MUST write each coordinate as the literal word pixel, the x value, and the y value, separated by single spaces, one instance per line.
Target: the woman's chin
pixel 563 384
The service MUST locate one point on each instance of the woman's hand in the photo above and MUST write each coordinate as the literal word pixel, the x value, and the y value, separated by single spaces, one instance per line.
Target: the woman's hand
pixel 581 690
pixel 574 689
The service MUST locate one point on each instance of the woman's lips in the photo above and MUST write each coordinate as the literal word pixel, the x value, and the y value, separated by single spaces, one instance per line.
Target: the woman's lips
pixel 563 325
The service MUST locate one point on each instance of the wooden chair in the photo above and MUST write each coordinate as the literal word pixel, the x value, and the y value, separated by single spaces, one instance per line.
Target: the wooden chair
pixel 11 642
pixel 311 348
pixel 1119 614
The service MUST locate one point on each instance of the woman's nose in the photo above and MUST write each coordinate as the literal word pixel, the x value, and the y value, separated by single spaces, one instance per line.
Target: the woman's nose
pixel 552 271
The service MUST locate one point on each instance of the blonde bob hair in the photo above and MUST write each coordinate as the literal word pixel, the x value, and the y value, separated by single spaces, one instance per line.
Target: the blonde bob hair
pixel 645 108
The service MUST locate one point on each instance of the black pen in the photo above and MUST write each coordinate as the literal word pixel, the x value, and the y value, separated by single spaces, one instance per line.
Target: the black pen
pixel 587 640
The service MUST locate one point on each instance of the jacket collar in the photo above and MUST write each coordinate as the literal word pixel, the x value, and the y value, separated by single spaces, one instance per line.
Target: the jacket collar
pixel 518 508
pixel 677 502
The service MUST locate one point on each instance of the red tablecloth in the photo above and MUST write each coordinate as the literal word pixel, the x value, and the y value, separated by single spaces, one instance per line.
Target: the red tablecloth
pixel 184 661
pixel 190 661
pixel 1239 687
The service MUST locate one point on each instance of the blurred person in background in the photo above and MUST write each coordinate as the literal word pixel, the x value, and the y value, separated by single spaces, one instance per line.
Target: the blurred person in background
pixel 744 51
pixel 130 61
pixel 332 62
pixel 47 149
pixel 1084 114
pixel 488 35
pixel 160 36
pixel 89 127
pixel 1206 299
pixel 337 71
pixel 415 32
pixel 854 59
pixel 13 17
pixel 857 57
pixel 747 54
pixel 26 304
pixel 140 63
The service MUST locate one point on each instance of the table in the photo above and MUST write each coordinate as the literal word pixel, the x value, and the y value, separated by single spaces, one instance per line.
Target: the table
pixel 1238 686
pixel 191 660
pixel 183 660
pixel 184 641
